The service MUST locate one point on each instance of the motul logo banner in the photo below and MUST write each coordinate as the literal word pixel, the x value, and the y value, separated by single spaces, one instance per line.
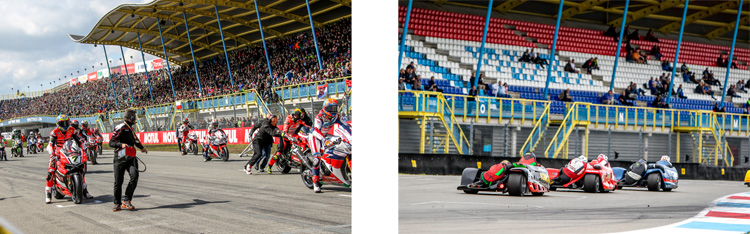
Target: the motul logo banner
pixel 92 76
pixel 156 63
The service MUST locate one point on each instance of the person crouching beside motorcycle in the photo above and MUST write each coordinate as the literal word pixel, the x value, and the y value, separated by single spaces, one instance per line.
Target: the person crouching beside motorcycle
pixel 292 124
pixel 57 139
pixel 124 140
pixel 326 119
pixel 214 128
pixel 263 139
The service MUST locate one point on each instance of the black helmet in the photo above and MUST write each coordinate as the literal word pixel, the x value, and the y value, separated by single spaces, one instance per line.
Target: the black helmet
pixel 215 124
pixel 130 116
pixel 74 123
pixel 85 124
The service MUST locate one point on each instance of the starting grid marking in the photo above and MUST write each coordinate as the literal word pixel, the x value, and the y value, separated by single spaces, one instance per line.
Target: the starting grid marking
pixel 729 214
pixel 89 203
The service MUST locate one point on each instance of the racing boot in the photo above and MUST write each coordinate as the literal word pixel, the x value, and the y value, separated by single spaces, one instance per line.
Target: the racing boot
pixel 269 169
pixel 274 158
pixel 248 169
pixel 316 185
pixel 86 193
pixel 48 195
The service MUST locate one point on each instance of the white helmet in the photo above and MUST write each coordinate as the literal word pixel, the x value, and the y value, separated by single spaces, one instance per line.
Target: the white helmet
pixel 665 158
pixel 602 156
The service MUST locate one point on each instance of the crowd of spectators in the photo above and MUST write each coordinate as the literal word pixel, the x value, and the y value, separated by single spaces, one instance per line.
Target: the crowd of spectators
pixel 293 61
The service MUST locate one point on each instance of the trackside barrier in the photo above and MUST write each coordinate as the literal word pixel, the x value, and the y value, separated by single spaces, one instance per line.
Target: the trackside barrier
pixel 452 164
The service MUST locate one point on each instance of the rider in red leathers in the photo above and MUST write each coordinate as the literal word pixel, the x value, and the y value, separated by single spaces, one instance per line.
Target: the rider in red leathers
pixel 292 124
pixel 57 138
pixel 324 121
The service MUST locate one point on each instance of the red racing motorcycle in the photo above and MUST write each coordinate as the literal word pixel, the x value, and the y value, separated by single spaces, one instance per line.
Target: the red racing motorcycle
pixel 216 147
pixel 68 179
pixel 336 164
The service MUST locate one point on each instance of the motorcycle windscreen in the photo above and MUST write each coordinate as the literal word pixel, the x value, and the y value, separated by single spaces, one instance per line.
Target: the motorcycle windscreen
pixel 219 138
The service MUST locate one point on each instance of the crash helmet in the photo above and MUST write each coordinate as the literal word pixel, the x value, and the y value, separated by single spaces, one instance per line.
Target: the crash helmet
pixel 85 124
pixel 529 159
pixel 214 124
pixel 330 107
pixel 296 115
pixel 63 122
pixel 583 158
pixel 602 157
pixel 96 130
pixel 16 131
pixel 665 158
pixel 186 121
pixel 74 123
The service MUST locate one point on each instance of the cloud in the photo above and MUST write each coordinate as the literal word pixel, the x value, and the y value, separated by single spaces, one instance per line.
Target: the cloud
pixel 36 49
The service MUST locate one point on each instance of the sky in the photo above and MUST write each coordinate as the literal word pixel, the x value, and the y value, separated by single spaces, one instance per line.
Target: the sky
pixel 35 49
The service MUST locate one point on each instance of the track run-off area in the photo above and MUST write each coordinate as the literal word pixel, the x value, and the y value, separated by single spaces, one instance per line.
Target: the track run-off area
pixel 431 204
pixel 177 194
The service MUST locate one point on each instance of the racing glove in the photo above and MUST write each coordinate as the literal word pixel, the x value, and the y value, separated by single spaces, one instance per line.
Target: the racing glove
pixel 49 176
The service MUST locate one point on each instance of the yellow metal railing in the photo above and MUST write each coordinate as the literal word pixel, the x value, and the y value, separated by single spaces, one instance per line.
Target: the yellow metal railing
pixel 537 133
pixel 559 141
pixel 307 92
pixel 423 108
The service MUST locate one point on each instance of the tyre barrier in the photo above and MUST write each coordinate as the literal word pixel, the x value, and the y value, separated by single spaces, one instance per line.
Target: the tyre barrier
pixel 450 164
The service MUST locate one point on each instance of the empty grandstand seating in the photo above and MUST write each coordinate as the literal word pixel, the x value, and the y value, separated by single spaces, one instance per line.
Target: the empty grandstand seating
pixel 446 44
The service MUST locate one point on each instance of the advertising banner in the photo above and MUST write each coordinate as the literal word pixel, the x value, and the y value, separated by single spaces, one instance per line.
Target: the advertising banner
pixel 92 76
pixel 234 136
pixel 82 79
pixel 122 69
pixel 73 81
pixel 156 63
pixel 131 68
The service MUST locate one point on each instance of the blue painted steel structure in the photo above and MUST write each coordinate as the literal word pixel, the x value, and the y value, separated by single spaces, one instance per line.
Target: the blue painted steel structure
pixel 403 37
pixel 169 70
pixel 125 63
pixel 109 70
pixel 263 38
pixel 552 53
pixel 481 49
pixel 731 54
pixel 677 53
pixel 221 33
pixel 315 38
pixel 148 78
pixel 190 42
pixel 619 45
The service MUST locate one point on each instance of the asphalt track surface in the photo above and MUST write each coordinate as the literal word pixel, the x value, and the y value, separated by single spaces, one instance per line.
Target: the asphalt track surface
pixel 177 193
pixel 431 204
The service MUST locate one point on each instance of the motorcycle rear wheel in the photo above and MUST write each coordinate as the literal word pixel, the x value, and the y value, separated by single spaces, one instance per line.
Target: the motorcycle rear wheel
pixel 654 182
pixel 591 183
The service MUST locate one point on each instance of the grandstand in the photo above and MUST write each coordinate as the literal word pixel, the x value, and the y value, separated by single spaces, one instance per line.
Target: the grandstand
pixel 293 80
pixel 444 38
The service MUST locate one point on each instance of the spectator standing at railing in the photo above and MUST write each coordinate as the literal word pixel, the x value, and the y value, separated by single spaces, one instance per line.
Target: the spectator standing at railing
pixel 607 98
pixel 472 94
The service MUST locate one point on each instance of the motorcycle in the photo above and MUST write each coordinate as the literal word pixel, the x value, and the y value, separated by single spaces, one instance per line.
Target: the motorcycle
pixel 336 164
pixel 31 149
pixel 293 159
pixel 99 142
pixel 68 179
pixel 92 149
pixel 191 145
pixel 217 148
pixel 3 155
pixel 17 150
pixel 593 177
pixel 523 177
pixel 660 175
pixel 39 145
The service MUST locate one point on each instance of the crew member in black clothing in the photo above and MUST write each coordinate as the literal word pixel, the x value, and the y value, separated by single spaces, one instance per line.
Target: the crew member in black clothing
pixel 124 140
pixel 263 139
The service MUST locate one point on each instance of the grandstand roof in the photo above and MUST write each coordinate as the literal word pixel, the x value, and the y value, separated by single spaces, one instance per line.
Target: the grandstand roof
pixel 121 25
pixel 709 19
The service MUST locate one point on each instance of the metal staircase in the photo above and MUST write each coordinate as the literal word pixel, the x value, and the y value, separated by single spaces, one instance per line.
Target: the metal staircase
pixel 560 140
pixel 537 133
pixel 433 107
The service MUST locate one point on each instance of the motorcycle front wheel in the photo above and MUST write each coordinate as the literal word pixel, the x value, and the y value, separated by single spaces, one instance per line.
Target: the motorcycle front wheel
pixel 225 154
pixel 346 170
pixel 195 149
pixel 76 188
pixel 307 176
pixel 283 166
pixel 93 157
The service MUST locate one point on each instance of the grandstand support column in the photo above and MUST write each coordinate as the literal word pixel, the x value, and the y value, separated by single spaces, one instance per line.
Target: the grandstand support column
pixel 148 79
pixel 190 42
pixel 619 45
pixel 262 38
pixel 166 58
pixel 125 63
pixel 315 38
pixel 224 45
pixel 109 71
pixel 552 53
pixel 403 37
pixel 481 49
pixel 677 52
pixel 731 54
